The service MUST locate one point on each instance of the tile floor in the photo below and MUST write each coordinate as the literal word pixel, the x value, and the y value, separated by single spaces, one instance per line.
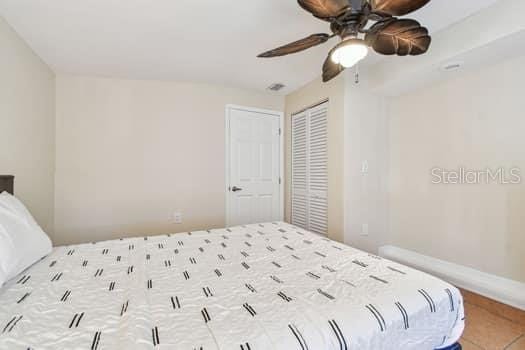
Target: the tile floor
pixel 491 325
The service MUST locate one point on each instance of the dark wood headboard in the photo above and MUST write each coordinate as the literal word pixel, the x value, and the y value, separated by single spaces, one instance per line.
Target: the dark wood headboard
pixel 7 183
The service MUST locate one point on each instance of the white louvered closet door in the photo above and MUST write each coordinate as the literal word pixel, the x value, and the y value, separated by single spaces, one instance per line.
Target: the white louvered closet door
pixel 310 169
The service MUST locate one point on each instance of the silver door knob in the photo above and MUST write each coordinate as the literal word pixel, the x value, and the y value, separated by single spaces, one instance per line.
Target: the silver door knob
pixel 235 189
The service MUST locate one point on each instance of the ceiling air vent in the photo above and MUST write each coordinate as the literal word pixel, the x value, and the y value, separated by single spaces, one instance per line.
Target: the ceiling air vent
pixel 450 66
pixel 276 87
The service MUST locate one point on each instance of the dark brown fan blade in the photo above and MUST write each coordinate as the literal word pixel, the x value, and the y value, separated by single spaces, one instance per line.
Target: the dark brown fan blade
pixel 398 37
pixel 397 7
pixel 296 46
pixel 331 69
pixel 324 9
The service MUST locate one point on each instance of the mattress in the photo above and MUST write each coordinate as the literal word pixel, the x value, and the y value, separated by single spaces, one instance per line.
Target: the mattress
pixel 263 286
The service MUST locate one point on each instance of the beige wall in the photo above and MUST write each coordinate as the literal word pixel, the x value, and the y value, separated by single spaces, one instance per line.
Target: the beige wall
pixel 27 124
pixel 475 120
pixel 130 153
pixel 308 95
pixel 366 142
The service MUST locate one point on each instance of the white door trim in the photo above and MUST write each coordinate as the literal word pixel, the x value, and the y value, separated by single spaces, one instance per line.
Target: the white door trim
pixel 280 115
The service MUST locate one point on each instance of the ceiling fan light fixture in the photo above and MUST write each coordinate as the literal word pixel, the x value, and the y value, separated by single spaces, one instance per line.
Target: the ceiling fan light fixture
pixel 349 52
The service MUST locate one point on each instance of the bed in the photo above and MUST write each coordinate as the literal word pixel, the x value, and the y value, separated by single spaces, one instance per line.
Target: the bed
pixel 261 286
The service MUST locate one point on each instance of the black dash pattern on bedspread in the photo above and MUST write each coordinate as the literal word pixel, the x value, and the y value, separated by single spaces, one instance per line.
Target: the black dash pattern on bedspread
pixel 124 308
pixel 175 302
pixel 284 297
pixel 155 336
pixel 76 320
pixel 250 309
pixel 378 317
pixel 339 335
pixel 96 341
pixel 250 287
pixel 298 336
pixel 66 295
pixel 205 315
pixel 428 299
pixel 404 314
pixel 23 279
pixel 451 299
pixel 23 298
pixel 11 324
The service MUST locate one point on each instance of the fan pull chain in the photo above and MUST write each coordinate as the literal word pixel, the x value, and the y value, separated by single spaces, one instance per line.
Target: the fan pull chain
pixel 357 74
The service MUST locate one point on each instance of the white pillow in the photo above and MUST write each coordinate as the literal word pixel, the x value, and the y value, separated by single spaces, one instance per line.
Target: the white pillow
pixel 10 202
pixel 22 241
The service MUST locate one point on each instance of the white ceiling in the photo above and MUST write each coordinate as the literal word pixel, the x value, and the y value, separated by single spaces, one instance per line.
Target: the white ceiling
pixel 212 41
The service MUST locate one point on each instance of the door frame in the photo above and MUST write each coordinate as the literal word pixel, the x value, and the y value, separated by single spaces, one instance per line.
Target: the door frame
pixel 280 115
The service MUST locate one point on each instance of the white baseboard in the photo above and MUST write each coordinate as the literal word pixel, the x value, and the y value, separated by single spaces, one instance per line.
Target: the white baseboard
pixel 501 289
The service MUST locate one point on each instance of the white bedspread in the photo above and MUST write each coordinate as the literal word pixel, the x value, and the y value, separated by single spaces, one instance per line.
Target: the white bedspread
pixel 258 287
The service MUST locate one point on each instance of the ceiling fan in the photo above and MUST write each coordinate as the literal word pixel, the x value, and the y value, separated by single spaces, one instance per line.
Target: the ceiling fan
pixel 349 19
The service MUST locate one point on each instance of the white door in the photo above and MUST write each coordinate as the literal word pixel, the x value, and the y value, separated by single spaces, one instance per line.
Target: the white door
pixel 254 184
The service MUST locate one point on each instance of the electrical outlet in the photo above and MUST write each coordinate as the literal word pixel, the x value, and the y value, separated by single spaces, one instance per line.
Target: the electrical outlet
pixel 364 230
pixel 177 217
pixel 364 167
